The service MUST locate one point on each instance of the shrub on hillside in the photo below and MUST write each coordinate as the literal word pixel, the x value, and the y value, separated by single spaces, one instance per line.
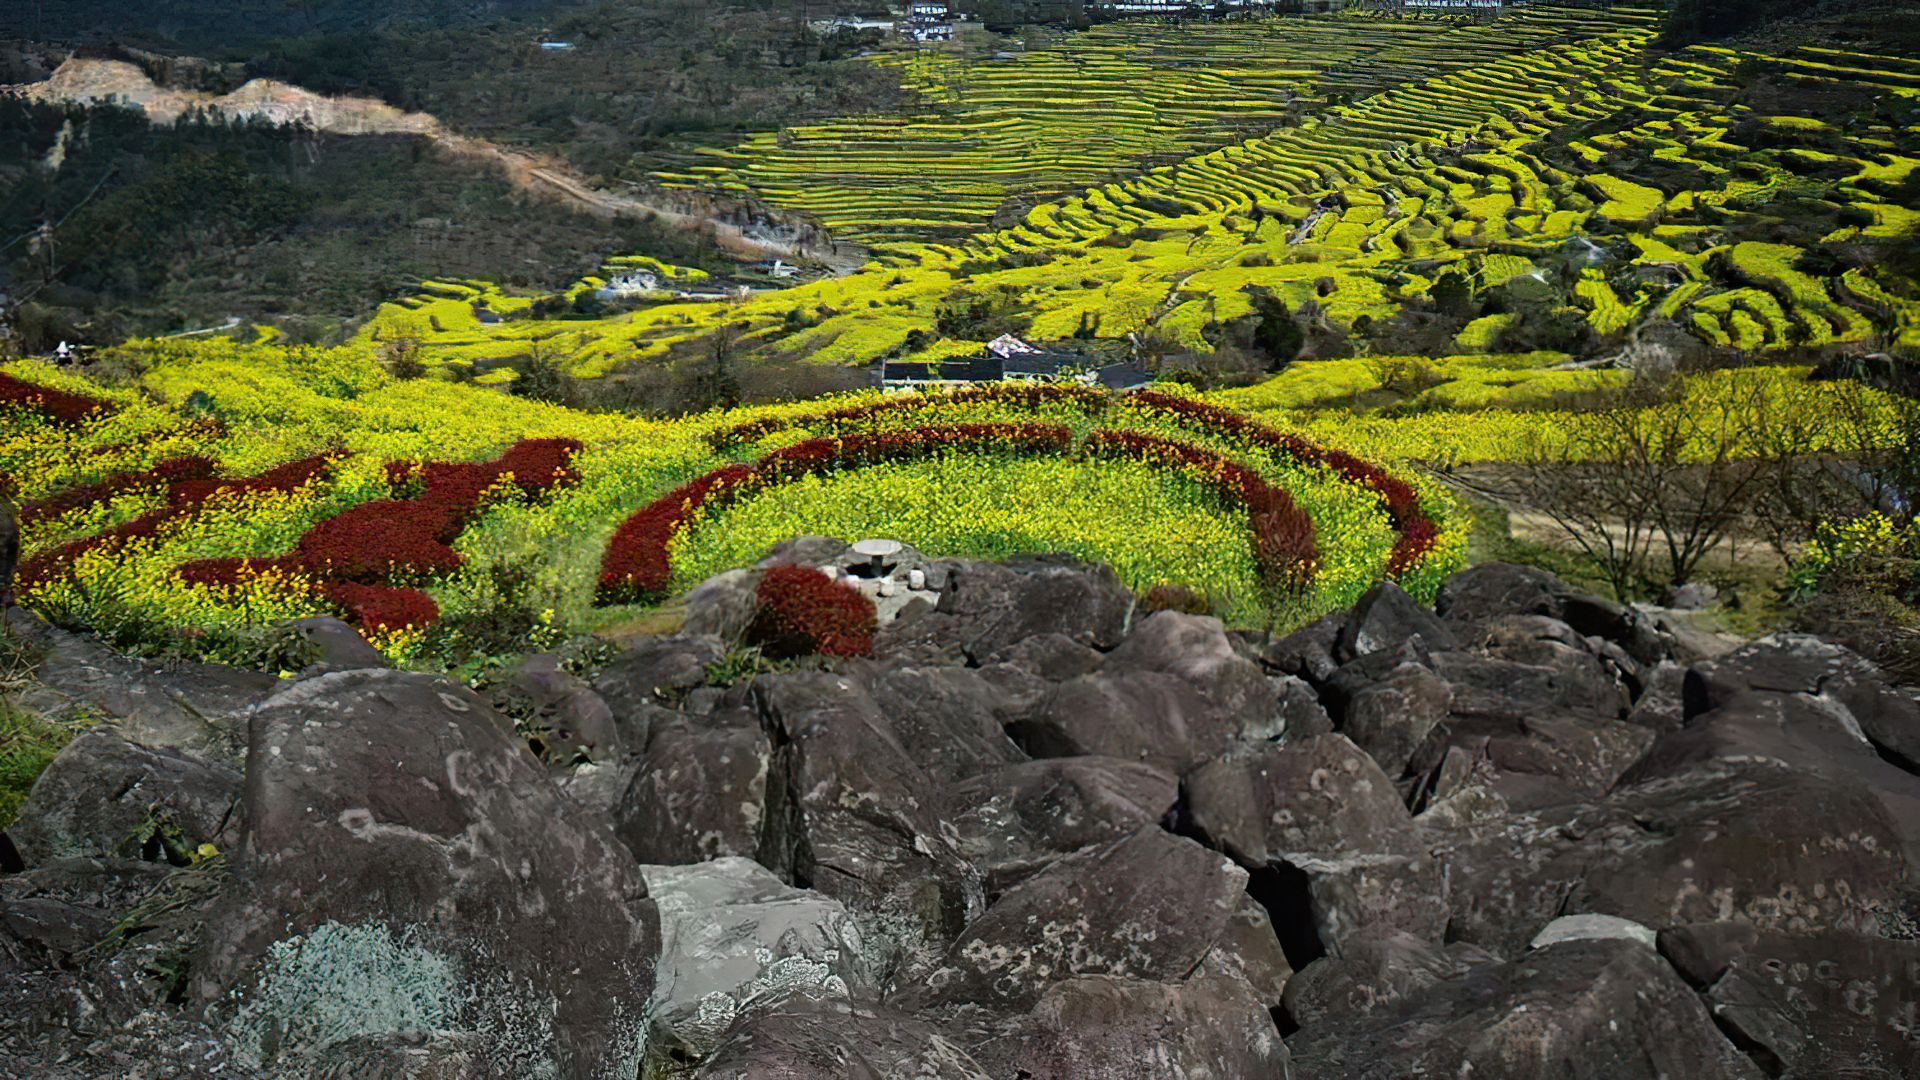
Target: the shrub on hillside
pixel 1180 598
pixel 383 609
pixel 803 612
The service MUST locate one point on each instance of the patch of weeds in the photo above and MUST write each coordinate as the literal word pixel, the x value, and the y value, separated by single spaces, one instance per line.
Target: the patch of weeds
pixel 747 663
pixel 28 743
pixel 159 838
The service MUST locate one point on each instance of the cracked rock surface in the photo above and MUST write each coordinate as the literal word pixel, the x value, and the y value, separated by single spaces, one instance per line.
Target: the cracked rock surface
pixel 1518 833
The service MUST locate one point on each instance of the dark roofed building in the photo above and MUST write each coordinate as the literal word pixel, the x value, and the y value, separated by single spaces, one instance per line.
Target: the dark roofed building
pixel 1123 376
pixel 1010 359
pixel 900 375
pixel 1040 366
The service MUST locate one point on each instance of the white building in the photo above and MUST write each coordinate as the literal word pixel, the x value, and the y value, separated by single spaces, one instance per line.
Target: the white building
pixel 928 20
pixel 629 283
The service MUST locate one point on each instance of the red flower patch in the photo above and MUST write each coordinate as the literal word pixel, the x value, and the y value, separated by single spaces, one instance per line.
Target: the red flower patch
pixel 184 496
pixel 65 409
pixel 366 553
pixel 230 573
pixel 635 567
pixel 362 556
pixel 803 612
pixel 379 545
pixel 1027 395
pixel 1285 549
pixel 1401 501
pixel 381 541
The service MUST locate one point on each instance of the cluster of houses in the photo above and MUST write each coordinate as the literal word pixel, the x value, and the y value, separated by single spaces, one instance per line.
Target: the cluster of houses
pixel 1009 359
pixel 928 20
pixel 922 21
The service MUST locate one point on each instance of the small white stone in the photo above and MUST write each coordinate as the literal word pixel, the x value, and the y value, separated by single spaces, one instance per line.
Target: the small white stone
pixel 886 587
pixel 916 579
pixel 1589 928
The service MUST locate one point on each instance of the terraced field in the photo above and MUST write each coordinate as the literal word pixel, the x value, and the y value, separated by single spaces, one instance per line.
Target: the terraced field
pixel 993 132
pixel 1599 166
pixel 232 488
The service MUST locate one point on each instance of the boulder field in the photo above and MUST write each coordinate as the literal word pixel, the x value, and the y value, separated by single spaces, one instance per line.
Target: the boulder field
pixel 1042 834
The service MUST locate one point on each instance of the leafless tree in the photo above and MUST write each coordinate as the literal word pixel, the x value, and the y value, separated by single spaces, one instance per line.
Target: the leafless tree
pixel 1649 483
pixel 1832 451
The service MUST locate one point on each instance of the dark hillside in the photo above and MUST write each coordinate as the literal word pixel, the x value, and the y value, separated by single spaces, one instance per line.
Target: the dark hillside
pixel 173 228
pixel 634 74
pixel 1872 25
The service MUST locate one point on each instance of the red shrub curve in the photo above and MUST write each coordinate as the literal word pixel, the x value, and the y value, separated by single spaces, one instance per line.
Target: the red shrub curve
pixel 637 566
pixel 803 612
pixel 1285 550
pixel 360 555
pixel 164 476
pixel 1401 501
pixel 230 573
pixel 65 409
pixel 1417 538
pixel 393 541
pixel 183 498
pixel 1029 395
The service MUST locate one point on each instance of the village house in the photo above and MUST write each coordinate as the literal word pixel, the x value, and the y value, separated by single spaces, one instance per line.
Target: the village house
pixel 629 283
pixel 1009 359
pixel 927 20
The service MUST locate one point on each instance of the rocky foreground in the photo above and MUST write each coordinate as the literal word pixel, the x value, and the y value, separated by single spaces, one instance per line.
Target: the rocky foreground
pixel 1042 834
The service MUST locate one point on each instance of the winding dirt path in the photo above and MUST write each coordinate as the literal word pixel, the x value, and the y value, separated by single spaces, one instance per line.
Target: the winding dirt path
pixel 748 231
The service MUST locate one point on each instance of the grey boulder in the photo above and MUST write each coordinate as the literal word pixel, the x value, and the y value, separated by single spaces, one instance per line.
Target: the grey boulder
pixel 1105 1028
pixel 1322 808
pixel 1018 818
pixel 700 791
pixel 823 1036
pixel 1581 1010
pixel 1149 906
pixel 103 795
pixel 406 866
pixel 734 939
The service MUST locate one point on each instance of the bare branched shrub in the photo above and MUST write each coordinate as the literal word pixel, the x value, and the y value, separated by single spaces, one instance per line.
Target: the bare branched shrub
pixel 1833 451
pixel 1647 485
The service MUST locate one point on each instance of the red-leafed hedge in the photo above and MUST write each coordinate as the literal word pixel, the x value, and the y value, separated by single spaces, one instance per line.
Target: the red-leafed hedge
pixel 912 444
pixel 363 557
pixel 1284 545
pixel 59 406
pixel 636 566
pixel 1417 533
pixel 183 498
pixel 803 612
pixel 383 608
pixel 230 573
pixel 164 476
pixel 1027 395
